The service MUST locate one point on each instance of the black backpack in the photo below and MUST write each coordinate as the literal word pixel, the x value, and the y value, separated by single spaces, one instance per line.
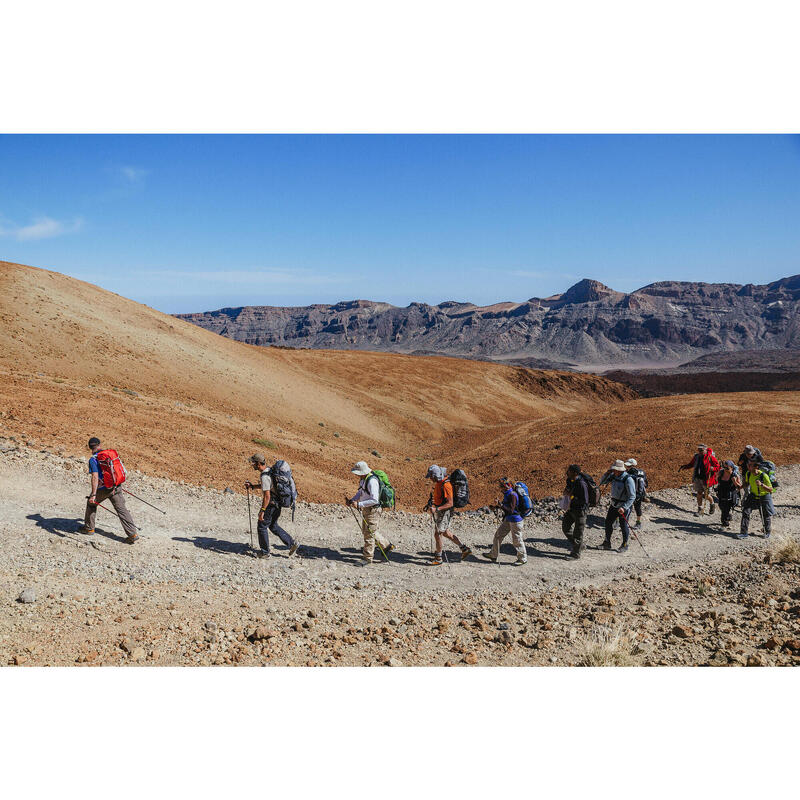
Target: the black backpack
pixel 593 491
pixel 458 480
pixel 285 490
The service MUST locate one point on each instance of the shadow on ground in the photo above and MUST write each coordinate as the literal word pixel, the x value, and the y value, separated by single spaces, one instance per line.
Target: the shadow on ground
pixel 67 528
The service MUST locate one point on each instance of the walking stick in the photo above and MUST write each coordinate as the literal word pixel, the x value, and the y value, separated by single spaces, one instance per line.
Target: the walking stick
pixel 636 536
pixel 361 529
pixel 100 505
pixel 143 501
pixel 250 518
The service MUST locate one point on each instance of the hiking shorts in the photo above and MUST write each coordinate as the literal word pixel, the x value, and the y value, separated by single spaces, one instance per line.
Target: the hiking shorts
pixel 698 485
pixel 442 520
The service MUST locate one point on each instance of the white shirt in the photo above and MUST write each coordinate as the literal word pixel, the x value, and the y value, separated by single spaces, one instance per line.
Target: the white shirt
pixel 368 494
pixel 267 482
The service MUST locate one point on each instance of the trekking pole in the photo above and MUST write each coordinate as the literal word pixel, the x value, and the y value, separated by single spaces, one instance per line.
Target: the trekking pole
pixel 100 505
pixel 143 501
pixel 636 536
pixel 250 518
pixel 362 529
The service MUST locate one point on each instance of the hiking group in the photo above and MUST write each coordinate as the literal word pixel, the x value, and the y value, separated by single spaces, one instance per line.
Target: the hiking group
pixel 750 483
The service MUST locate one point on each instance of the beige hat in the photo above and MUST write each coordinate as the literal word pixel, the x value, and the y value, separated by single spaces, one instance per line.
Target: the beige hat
pixel 618 464
pixel 748 448
pixel 361 469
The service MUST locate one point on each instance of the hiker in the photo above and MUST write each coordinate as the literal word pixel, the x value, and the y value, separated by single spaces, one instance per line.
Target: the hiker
pixel 578 493
pixel 270 510
pixel 512 523
pixel 623 495
pixel 704 466
pixel 749 454
pixel 102 476
pixel 729 485
pixel 640 482
pixel 760 497
pixel 440 506
pixel 367 501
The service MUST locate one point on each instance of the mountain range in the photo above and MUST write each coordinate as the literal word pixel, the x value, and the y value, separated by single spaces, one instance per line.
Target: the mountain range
pixel 589 325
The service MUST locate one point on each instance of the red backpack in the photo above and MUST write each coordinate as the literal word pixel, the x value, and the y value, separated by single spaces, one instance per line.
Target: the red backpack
pixel 112 470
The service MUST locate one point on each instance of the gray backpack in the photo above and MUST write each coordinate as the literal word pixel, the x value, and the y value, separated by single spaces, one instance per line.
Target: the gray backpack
pixel 285 490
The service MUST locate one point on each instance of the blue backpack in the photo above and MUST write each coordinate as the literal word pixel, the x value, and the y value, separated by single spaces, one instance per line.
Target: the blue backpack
pixel 524 504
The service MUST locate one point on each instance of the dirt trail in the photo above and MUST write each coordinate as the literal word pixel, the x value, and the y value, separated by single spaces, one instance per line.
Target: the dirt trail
pixel 99 600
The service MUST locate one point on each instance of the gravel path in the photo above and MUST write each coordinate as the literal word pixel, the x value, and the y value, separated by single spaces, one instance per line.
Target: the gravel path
pixel 192 569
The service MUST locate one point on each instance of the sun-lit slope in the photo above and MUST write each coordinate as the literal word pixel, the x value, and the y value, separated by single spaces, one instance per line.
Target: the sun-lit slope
pixel 660 432
pixel 184 402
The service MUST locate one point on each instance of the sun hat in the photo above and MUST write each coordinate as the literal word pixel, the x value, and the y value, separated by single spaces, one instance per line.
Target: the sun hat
pixel 257 458
pixel 702 447
pixel 361 469
pixel 631 462
pixel 435 471
pixel 618 464
pixel 748 448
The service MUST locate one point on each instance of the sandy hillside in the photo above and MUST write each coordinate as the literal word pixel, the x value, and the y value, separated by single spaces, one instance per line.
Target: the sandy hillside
pixel 185 403
pixel 77 360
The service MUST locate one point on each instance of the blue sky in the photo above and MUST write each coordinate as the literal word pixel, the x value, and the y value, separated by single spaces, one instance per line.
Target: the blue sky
pixel 192 223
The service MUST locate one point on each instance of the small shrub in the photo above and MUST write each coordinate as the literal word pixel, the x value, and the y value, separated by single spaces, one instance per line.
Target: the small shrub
pixel 607 648
pixel 264 443
pixel 784 549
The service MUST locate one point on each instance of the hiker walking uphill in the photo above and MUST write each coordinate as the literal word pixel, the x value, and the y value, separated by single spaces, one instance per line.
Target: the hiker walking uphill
pixel 704 466
pixel 640 482
pixel 107 474
pixel 440 506
pixel 368 502
pixel 760 497
pixel 273 489
pixel 573 523
pixel 729 487
pixel 512 523
pixel 747 455
pixel 623 495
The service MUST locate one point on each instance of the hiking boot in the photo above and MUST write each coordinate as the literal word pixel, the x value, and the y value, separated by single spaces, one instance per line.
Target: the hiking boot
pixel 84 529
pixel 638 524
pixel 520 561
pixel 132 538
pixel 575 554
pixel 606 544
pixel 490 557
pixel 263 554
pixel 698 513
pixel 741 535
pixel 465 553
pixel 293 549
pixel 623 548
pixel 437 560
pixel 710 506
pixel 766 535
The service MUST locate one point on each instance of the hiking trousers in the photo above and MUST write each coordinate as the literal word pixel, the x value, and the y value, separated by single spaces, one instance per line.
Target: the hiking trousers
pixel 117 499
pixel 637 507
pixel 577 518
pixel 765 508
pixel 270 523
pixel 370 521
pixel 611 516
pixel 515 529
pixel 725 509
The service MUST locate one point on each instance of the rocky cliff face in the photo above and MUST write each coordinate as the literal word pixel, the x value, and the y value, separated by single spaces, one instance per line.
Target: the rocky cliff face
pixel 589 324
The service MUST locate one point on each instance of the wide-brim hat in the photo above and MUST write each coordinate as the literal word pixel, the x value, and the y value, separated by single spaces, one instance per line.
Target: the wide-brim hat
pixel 361 469
pixel 631 462
pixel 618 464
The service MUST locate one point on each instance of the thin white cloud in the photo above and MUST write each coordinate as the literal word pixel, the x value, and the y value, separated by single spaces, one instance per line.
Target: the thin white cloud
pixel 41 228
pixel 133 175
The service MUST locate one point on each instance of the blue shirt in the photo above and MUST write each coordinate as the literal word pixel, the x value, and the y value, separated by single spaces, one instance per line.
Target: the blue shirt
pixel 93 467
pixel 510 504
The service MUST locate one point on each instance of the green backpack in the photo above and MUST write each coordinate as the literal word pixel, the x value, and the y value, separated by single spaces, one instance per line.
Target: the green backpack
pixel 386 490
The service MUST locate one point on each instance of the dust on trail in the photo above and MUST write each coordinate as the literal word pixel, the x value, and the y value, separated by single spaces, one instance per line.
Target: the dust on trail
pixel 188 592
